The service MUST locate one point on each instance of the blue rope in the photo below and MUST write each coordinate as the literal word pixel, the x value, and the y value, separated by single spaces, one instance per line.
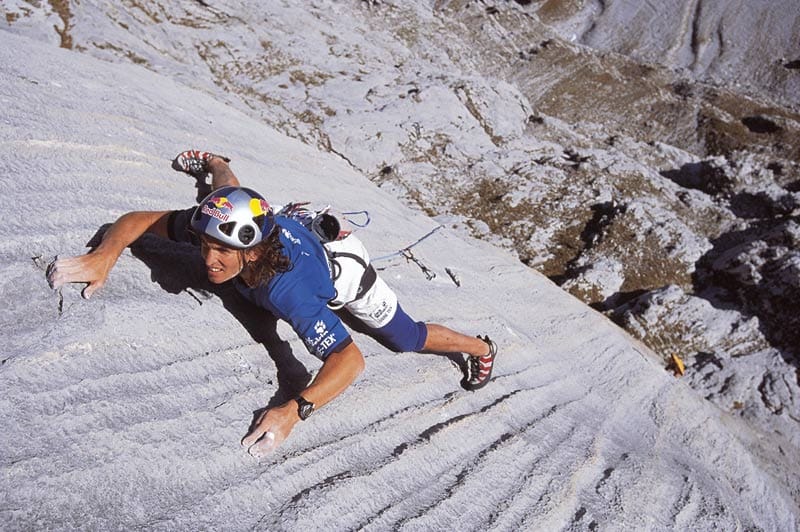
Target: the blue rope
pixel 350 213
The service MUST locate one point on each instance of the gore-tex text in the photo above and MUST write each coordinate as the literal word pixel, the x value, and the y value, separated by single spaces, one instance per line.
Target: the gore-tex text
pixel 324 339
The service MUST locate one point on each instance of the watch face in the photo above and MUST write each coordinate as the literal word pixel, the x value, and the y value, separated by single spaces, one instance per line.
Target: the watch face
pixel 304 408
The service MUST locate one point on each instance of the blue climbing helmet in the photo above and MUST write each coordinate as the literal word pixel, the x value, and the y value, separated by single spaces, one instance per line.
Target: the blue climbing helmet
pixel 236 216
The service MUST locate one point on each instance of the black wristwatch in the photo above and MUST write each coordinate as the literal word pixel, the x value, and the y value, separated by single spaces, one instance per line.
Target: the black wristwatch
pixel 304 408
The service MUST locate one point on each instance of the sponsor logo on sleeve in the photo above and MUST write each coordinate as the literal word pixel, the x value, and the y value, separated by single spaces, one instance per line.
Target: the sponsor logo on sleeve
pixel 323 341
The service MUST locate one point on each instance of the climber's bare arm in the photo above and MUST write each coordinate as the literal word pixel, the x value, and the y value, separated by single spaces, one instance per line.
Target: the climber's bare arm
pixel 94 267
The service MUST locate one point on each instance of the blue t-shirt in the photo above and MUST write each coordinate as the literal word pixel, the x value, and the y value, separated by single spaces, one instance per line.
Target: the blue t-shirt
pixel 300 295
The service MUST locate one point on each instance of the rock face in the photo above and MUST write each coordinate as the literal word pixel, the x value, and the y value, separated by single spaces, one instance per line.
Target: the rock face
pixel 656 177
pixel 750 45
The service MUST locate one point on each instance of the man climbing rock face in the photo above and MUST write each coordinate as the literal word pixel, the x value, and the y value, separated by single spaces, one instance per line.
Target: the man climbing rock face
pixel 281 264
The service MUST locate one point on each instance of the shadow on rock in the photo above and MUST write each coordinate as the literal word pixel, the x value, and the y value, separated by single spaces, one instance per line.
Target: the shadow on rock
pixel 706 176
pixel 756 272
pixel 760 124
pixel 761 205
pixel 179 268
pixel 457 359
pixel 603 215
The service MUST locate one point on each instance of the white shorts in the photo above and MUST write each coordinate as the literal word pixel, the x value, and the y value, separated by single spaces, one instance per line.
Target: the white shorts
pixel 377 306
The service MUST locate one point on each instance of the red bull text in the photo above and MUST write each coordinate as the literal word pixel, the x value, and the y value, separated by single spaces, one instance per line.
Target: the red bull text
pixel 214 213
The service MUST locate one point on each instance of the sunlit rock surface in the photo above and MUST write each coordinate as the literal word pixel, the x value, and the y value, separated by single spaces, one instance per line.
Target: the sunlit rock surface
pixel 656 182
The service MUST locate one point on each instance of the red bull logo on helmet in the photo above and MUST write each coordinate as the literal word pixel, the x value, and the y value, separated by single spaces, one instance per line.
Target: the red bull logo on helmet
pixel 214 212
pixel 221 202
pixel 259 206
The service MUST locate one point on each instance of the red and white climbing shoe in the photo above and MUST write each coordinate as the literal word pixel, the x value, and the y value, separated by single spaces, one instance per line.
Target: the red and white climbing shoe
pixel 480 368
pixel 195 162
